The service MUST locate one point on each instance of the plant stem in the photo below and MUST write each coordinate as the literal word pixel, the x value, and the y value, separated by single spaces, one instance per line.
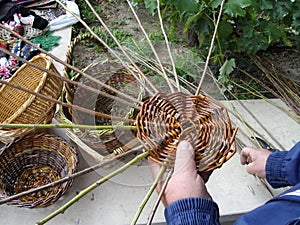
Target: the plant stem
pixel 145 200
pixel 80 126
pixel 92 187
pixel 211 48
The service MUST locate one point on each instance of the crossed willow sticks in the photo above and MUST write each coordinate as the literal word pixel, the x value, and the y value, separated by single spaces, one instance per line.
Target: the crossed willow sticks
pixel 122 98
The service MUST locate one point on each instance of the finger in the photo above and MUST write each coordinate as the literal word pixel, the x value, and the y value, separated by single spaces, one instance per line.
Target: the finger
pixel 245 155
pixel 184 157
pixel 154 166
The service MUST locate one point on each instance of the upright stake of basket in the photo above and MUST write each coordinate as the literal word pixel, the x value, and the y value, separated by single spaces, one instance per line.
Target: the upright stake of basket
pixel 166 119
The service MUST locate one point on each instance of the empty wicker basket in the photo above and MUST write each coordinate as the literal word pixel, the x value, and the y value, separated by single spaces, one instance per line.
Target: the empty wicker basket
pixel 33 161
pixel 20 107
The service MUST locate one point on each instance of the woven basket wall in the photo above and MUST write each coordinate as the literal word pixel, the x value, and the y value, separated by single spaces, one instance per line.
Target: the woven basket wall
pixel 20 107
pixel 98 143
pixel 33 161
pixel 29 32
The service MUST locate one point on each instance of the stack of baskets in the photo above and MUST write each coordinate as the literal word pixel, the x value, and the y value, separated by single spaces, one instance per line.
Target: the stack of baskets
pixel 31 160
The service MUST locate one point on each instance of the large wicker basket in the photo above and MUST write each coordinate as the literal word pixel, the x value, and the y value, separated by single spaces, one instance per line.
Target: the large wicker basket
pixel 98 143
pixel 33 161
pixel 20 107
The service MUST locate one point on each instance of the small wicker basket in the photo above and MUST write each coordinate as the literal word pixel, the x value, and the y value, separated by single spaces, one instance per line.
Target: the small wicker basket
pixel 20 107
pixel 33 161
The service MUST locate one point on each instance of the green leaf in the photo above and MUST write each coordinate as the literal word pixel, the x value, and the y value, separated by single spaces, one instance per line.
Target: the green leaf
pixel 265 4
pixel 215 4
pixel 190 21
pixel 225 30
pixel 186 5
pixel 227 67
pixel 151 6
pixel 236 8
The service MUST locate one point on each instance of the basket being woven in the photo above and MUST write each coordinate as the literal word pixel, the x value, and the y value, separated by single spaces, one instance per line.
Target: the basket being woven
pixel 20 107
pixel 33 161
pixel 166 119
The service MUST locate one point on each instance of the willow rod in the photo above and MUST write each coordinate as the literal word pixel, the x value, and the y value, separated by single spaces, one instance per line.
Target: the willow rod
pixel 162 191
pixel 149 193
pixel 65 179
pixel 117 42
pixel 168 45
pixel 66 125
pixel 69 66
pixel 210 49
pixel 152 47
pixel 103 115
pixel 92 187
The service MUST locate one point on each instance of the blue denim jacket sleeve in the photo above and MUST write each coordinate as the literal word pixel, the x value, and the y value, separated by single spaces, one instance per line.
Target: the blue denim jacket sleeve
pixel 192 211
pixel 283 167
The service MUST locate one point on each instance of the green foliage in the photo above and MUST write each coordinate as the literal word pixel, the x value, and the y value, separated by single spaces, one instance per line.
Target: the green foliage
pixel 225 70
pixel 247 26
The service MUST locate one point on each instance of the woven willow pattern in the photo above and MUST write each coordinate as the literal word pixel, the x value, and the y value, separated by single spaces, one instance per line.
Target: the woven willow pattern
pixel 29 32
pixel 166 119
pixel 34 161
pixel 20 107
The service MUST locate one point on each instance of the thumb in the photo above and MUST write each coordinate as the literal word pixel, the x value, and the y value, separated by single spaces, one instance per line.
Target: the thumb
pixel 184 157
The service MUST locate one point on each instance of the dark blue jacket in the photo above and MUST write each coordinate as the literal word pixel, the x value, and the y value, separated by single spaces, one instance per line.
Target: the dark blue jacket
pixel 282 169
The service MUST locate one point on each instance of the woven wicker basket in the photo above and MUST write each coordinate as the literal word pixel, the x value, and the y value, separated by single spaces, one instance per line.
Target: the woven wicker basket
pixel 29 32
pixel 20 107
pixel 98 143
pixel 166 119
pixel 33 161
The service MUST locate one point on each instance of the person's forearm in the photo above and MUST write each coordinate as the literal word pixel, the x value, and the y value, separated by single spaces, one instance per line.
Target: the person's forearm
pixel 190 211
pixel 283 167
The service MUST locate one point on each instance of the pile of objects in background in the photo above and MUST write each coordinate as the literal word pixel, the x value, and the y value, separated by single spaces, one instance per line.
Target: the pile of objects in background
pixel 30 19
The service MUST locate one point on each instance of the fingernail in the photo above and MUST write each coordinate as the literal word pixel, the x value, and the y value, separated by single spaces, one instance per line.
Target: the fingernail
pixel 184 148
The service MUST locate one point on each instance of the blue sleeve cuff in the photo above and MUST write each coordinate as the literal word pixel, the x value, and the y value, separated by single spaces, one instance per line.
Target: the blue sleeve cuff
pixel 191 211
pixel 274 169
pixel 283 167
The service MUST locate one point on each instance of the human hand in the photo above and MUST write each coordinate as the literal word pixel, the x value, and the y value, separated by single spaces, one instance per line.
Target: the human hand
pixel 256 160
pixel 185 181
